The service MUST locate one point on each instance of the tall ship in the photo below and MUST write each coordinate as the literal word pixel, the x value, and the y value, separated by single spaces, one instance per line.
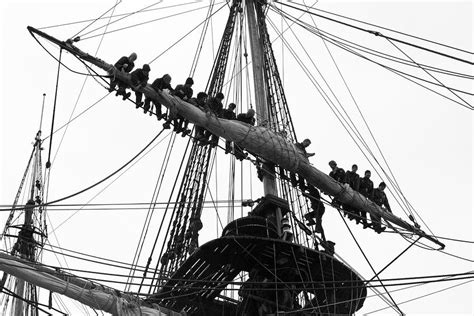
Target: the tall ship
pixel 239 157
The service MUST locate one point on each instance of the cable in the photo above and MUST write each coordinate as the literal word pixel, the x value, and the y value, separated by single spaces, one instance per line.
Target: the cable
pixel 100 181
pixel 48 163
pixel 384 36
pixel 146 22
pixel 85 80
pixel 388 29
pixel 71 120
pixel 182 37
pixel 422 296
pixel 398 72
pixel 116 15
pixel 126 16
pixel 112 8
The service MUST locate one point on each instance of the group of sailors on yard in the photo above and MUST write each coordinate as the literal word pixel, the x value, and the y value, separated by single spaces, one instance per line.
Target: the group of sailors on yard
pixel 364 186
pixel 139 78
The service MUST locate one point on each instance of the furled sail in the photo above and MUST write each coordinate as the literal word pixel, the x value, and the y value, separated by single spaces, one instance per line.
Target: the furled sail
pixel 256 139
pixel 86 292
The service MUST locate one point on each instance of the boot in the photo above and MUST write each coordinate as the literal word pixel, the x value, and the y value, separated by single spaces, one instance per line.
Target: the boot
pixel 146 107
pixel 126 96
pixel 319 227
pixel 166 125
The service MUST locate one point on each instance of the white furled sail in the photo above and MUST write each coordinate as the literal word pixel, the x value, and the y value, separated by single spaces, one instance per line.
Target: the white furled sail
pixel 88 293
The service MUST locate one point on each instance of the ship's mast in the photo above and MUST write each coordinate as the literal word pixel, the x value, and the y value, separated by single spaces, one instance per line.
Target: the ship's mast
pixel 256 47
pixel 26 239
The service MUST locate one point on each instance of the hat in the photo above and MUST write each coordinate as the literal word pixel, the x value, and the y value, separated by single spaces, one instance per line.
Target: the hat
pixel 332 163
pixel 189 81
pixel 220 95
pixel 146 67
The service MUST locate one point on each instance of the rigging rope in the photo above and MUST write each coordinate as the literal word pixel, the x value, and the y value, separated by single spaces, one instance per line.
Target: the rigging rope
pixel 367 125
pixel 384 36
pixel 48 163
pixel 388 29
pixel 126 16
pixel 84 83
pixel 437 80
pixel 201 40
pixel 370 265
pixel 116 15
pixel 184 36
pixel 102 180
pixel 152 207
pixel 344 46
pixel 112 8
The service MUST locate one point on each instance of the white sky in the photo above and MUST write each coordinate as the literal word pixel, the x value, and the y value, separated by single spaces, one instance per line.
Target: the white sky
pixel 426 139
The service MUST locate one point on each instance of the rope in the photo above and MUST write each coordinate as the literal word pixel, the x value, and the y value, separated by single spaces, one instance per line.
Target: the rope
pixel 370 265
pixel 112 8
pixel 48 164
pixel 384 36
pixel 126 16
pixel 100 181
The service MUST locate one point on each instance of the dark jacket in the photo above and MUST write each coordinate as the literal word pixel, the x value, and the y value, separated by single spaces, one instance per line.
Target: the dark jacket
pixel 228 114
pixel 244 118
pixel 160 84
pixel 139 77
pixel 366 188
pixel 381 199
pixel 124 61
pixel 338 174
pixel 315 199
pixel 215 106
pixel 353 179
pixel 199 103
pixel 183 92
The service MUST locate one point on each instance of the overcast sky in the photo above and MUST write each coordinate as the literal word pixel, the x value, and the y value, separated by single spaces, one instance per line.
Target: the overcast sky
pixel 426 139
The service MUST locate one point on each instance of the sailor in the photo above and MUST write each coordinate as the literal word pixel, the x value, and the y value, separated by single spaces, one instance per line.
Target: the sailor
pixel 339 175
pixel 352 178
pixel 317 208
pixel 159 84
pixel 336 173
pixel 298 181
pixel 185 93
pixel 139 78
pixel 366 188
pixel 302 148
pixel 286 229
pixel 124 64
pixel 214 106
pixel 229 114
pixel 381 200
pixel 248 117
pixel 200 102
